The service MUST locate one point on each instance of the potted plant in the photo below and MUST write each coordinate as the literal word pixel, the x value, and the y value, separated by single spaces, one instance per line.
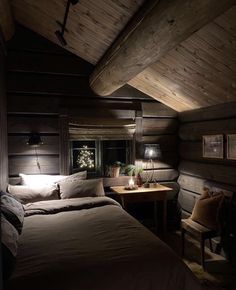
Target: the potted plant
pixel 115 169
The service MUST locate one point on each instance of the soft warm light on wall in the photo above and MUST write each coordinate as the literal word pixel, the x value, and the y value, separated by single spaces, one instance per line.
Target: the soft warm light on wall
pixel 34 140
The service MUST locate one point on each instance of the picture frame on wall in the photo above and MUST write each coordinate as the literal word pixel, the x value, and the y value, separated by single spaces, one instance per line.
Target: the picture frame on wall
pixel 213 146
pixel 231 146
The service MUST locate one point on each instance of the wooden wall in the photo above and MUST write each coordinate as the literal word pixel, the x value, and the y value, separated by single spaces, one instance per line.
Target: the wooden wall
pixel 158 124
pixel 47 85
pixel 193 168
pixel 22 157
pixel 3 122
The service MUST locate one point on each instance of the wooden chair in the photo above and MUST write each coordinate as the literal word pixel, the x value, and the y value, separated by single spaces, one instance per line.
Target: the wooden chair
pixel 202 233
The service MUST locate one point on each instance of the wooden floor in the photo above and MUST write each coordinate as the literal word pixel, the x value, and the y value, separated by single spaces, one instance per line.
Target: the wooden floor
pixel 219 275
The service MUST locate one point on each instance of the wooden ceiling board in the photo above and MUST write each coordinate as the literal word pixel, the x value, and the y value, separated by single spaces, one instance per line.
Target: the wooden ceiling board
pixel 92 25
pixel 199 72
pixel 146 83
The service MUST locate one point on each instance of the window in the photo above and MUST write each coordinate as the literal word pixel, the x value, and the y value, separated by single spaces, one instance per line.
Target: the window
pixel 95 155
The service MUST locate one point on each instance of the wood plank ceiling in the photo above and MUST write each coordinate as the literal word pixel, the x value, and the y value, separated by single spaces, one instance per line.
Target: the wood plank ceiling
pixel 199 72
pixel 92 25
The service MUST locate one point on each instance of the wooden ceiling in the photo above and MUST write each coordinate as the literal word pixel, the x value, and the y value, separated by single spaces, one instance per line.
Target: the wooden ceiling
pixel 199 72
pixel 92 25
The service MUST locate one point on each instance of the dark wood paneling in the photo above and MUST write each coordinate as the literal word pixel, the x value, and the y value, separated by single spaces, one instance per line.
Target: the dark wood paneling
pixel 33 165
pixel 187 200
pixel 47 84
pixel 3 124
pixel 155 126
pixel 64 145
pixel 34 123
pixel 193 151
pixel 37 62
pixel 169 160
pixel 167 142
pixel 214 172
pixel 18 103
pixel 195 131
pixel 100 112
pixel 27 40
pixel 158 110
pixel 196 170
pixel 196 184
pixel 17 145
pixel 162 175
pixel 221 111
pixel 191 183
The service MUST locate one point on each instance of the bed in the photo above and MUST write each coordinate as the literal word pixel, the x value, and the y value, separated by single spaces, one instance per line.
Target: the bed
pixel 91 243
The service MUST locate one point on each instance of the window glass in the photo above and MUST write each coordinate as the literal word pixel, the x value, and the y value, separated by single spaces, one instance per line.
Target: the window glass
pixel 95 156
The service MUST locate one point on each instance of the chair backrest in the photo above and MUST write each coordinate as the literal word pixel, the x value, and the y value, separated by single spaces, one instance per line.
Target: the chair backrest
pixel 226 206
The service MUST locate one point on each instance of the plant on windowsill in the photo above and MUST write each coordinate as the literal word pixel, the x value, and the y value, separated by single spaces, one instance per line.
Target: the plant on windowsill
pixel 114 169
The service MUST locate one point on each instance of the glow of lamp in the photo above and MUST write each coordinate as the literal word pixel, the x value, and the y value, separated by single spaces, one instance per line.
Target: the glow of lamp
pixel 131 183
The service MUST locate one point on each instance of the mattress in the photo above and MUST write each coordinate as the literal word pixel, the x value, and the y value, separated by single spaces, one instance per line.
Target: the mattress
pixel 93 244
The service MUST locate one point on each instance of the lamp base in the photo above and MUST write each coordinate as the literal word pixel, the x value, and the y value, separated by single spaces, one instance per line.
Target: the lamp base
pixel 153 184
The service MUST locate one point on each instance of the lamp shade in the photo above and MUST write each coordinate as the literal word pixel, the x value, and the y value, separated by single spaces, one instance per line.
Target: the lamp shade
pixel 34 140
pixel 152 151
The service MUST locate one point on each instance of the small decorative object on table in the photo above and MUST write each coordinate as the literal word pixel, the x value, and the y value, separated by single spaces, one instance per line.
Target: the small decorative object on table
pixel 139 180
pixel 131 185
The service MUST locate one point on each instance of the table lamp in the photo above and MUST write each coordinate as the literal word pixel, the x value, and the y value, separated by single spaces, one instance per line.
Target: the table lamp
pixel 151 152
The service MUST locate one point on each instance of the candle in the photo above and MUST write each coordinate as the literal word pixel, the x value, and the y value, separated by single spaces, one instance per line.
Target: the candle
pixel 131 183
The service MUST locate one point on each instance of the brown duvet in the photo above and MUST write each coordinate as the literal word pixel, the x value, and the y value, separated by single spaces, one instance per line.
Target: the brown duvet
pixel 93 244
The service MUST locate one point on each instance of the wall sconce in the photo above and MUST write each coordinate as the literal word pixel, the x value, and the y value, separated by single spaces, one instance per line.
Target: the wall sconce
pixel 34 140
pixel 151 152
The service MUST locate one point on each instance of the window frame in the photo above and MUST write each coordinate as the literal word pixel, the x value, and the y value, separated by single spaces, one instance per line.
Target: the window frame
pixel 99 156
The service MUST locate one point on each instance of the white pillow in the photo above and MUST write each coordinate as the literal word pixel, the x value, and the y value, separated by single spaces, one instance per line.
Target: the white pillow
pixel 40 179
pixel 81 188
pixel 26 194
pixel 76 176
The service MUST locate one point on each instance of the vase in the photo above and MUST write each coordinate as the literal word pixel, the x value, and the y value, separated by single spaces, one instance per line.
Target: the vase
pixel 115 171
pixel 139 180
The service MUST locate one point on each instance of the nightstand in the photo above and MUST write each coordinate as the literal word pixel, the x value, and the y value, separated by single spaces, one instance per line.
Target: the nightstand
pixel 141 194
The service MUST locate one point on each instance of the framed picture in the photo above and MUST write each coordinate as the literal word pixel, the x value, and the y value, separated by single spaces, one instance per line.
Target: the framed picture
pixel 213 146
pixel 231 146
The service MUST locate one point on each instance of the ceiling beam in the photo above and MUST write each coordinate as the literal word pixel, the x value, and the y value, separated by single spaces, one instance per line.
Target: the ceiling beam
pixel 159 28
pixel 6 20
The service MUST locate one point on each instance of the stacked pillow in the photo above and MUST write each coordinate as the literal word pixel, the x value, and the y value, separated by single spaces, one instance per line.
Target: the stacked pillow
pixel 26 194
pixel 40 187
pixel 70 188
pixel 49 187
pixel 39 179
pixel 12 216
pixel 13 210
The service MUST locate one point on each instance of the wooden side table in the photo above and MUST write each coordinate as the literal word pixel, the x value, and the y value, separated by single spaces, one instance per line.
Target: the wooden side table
pixel 141 194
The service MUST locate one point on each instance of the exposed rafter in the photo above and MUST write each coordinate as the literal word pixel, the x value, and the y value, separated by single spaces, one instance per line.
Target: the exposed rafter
pixel 161 29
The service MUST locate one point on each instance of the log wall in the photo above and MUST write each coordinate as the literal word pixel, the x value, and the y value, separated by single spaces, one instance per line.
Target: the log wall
pixel 3 123
pixel 194 168
pixel 45 87
pixel 158 124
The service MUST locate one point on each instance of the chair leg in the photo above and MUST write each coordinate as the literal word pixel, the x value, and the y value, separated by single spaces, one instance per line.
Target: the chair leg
pixel 203 253
pixel 210 243
pixel 183 241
